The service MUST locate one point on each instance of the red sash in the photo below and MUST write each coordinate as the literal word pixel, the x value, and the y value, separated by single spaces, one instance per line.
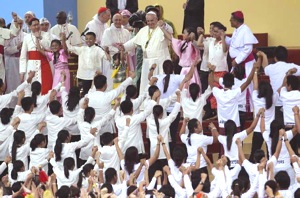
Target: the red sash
pixel 2 52
pixel 46 73
pixel 248 59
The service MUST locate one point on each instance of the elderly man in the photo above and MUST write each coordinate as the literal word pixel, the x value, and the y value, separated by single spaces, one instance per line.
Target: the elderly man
pixel 241 42
pixel 70 30
pixel 27 17
pixel 99 23
pixel 112 36
pixel 33 60
pixel 154 45
pixel 116 6
pixel 6 34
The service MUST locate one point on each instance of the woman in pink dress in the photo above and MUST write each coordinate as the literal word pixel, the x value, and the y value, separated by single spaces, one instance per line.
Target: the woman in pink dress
pixel 187 53
pixel 59 57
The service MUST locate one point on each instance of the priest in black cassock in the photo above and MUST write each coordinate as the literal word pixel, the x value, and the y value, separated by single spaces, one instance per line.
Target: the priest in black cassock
pixel 193 14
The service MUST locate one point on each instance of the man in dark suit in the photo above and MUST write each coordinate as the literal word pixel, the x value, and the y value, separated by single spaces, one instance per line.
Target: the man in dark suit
pixel 116 6
pixel 193 14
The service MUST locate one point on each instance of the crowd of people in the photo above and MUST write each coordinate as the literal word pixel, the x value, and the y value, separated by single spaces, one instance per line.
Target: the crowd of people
pixel 59 140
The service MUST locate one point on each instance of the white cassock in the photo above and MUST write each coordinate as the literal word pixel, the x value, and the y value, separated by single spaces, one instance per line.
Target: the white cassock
pixel 29 45
pixel 96 26
pixel 67 29
pixel 111 36
pixel 4 35
pixel 241 45
pixel 156 51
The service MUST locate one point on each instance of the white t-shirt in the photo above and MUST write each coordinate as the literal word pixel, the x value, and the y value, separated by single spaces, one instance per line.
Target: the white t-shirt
pixel 227 105
pixel 204 62
pixel 109 157
pixel 242 99
pixel 136 166
pixel 175 170
pixel 276 72
pixel 197 140
pixel 217 57
pixel 233 153
pixel 269 113
pixel 174 83
pixel 289 100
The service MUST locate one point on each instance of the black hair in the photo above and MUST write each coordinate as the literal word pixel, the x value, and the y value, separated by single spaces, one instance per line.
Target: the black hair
pixel 73 98
pixel 126 106
pixel 19 139
pixel 167 190
pixel 293 81
pixel 283 180
pixel 15 187
pixel 36 88
pixel 74 191
pixel 54 107
pixel 228 80
pixel 281 53
pixel 17 166
pixel 131 158
pixel 230 130
pixel 220 26
pixel 157 111
pixel 100 81
pixel 131 189
pixel 265 91
pixel 194 90
pixel 239 72
pixel 236 18
pixel 86 169
pixel 106 138
pixel 32 20
pixel 62 136
pixel 108 186
pixel 237 187
pixel 193 123
pixel 274 134
pixel 297 193
pixel 258 155
pixel 273 185
pixel 152 89
pixel 69 164
pixel 36 141
pixel 131 92
pixel 63 192
pixel 110 173
pixel 5 115
pixel 26 103
pixel 168 70
pixel 89 114
pixel 56 54
pixel 179 156
pixel 116 56
pixel 91 34
pixel 213 23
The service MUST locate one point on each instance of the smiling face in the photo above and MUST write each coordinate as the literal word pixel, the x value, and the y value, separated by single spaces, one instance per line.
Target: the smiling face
pixel 151 20
pixel 28 17
pixel 55 46
pixel 90 40
pixel 117 20
pixel 61 18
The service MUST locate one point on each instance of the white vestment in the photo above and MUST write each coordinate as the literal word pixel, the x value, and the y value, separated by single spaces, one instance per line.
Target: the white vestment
pixel 67 29
pixel 97 27
pixel 156 51
pixel 111 36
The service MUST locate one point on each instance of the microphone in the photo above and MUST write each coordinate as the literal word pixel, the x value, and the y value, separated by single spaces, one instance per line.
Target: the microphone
pixel 83 33
pixel 69 35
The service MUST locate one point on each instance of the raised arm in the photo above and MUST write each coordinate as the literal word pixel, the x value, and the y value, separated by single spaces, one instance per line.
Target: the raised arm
pixel 256 65
pixel 200 32
pixel 39 47
pixel 279 144
pixel 151 70
pixel 240 149
pixel 167 154
pixel 296 128
pixel 255 121
pixel 207 160
pixel 189 75
pixel 161 24
pixel 264 57
pixel 262 123
pixel 64 44
pixel 183 127
pixel 214 131
pixel 156 153
pixel 224 45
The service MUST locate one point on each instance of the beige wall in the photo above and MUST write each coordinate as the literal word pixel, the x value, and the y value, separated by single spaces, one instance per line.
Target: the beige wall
pixel 279 18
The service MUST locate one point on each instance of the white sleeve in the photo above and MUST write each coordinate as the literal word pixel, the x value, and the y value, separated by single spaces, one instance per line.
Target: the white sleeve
pixel 188 185
pixel 2 167
pixel 179 191
pixel 261 185
pixel 152 184
pixel 253 188
pixel 105 119
pixel 244 53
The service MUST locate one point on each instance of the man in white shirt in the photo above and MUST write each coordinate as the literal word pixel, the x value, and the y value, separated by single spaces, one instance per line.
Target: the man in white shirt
pixel 277 72
pixel 113 35
pixel 98 24
pixel 69 30
pixel 154 45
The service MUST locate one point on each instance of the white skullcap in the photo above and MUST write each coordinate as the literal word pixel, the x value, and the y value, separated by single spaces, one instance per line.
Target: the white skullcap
pixel 31 13
pixel 151 12
pixel 44 20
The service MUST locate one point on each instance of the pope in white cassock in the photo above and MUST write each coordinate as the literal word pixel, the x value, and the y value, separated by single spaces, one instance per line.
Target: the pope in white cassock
pixel 154 45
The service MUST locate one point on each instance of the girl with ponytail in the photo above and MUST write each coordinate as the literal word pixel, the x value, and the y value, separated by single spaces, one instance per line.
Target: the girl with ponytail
pixel 84 175
pixel 17 172
pixel 263 96
pixel 39 154
pixel 41 101
pixel 231 134
pixel 68 174
pixel 19 150
pixel 64 148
